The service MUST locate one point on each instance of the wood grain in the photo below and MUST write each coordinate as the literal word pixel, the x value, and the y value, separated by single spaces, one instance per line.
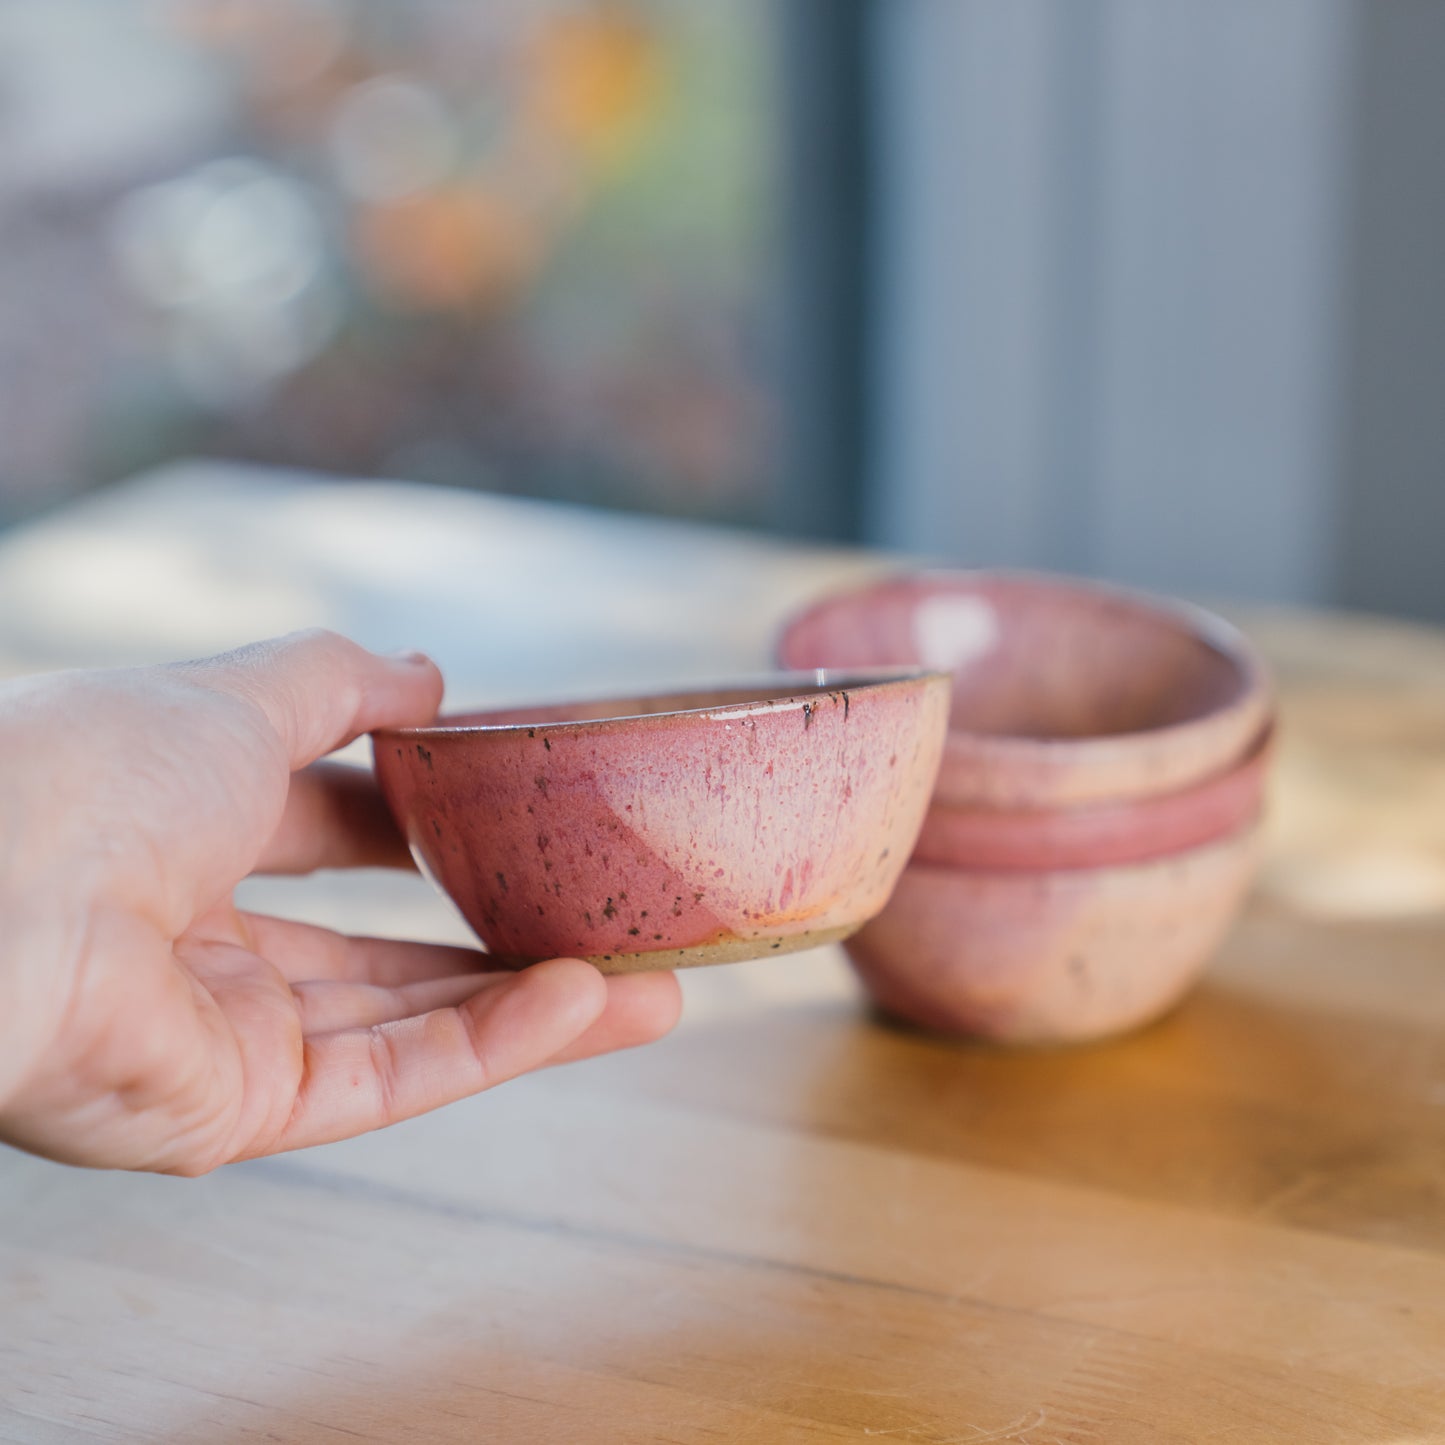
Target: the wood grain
pixel 789 1222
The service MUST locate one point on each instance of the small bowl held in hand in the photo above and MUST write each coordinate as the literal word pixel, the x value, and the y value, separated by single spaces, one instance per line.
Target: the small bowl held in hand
pixel 1064 692
pixel 667 831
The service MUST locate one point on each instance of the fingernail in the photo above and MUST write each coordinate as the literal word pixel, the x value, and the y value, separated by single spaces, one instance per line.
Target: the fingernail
pixel 410 656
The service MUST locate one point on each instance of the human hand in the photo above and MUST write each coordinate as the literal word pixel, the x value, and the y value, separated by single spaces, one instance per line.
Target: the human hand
pixel 146 1022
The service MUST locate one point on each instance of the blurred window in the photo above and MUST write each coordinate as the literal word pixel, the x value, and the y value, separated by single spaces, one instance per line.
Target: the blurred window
pixel 527 245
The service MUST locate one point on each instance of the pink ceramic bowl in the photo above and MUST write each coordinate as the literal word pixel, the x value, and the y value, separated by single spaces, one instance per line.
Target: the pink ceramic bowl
pixel 666 831
pixel 1052 957
pixel 1099 834
pixel 1064 692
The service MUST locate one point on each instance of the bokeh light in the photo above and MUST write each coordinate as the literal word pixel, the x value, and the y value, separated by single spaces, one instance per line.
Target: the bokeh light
pixel 391 138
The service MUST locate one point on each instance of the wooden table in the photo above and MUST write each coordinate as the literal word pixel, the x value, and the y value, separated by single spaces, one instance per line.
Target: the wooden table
pixel 786 1222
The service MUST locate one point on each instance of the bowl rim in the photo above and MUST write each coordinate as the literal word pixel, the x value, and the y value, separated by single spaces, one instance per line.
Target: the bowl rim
pixel 1249 834
pixel 778 692
pixel 1253 688
pixel 1256 758
pixel 1083 824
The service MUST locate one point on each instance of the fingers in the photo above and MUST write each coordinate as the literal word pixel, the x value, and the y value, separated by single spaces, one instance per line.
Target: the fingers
pixel 300 952
pixel 327 1008
pixel 319 691
pixel 641 1007
pixel 390 1029
pixel 361 1079
pixel 335 818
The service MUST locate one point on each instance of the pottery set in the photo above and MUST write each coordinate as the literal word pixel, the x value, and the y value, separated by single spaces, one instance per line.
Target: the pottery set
pixel 1029 804
pixel 1093 831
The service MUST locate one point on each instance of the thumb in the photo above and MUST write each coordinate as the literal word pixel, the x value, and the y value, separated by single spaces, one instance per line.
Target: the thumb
pixel 319 690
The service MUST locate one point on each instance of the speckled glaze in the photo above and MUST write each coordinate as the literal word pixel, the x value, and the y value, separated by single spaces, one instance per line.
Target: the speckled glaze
pixel 1099 834
pixel 664 832
pixel 1065 692
pixel 1052 957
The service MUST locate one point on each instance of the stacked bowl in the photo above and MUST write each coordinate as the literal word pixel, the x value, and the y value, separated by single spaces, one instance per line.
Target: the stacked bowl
pixel 1094 826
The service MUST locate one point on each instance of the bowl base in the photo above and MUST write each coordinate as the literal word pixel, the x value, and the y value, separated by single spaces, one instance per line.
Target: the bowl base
pixel 725 950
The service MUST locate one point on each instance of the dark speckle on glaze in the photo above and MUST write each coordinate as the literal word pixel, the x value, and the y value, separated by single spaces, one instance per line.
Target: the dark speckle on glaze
pixel 425 755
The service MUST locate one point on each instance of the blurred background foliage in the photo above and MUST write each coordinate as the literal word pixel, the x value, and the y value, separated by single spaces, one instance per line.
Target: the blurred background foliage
pixel 523 245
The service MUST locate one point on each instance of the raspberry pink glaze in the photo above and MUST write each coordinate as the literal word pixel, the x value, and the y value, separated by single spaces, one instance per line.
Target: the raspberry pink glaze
pixel 661 832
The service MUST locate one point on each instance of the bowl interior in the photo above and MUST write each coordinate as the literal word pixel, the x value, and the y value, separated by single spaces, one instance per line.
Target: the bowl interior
pixel 1034 657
